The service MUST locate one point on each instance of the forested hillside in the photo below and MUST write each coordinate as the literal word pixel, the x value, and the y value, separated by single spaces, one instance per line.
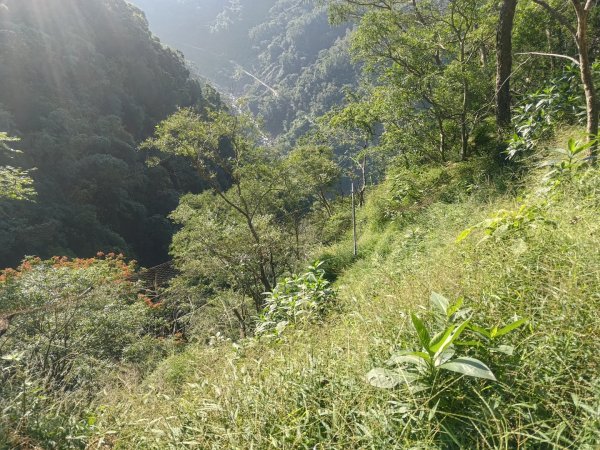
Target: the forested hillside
pixel 82 83
pixel 281 56
pixel 387 239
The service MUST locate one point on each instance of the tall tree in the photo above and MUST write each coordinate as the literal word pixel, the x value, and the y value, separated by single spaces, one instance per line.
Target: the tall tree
pixel 224 152
pixel 579 31
pixel 504 62
pixel 433 54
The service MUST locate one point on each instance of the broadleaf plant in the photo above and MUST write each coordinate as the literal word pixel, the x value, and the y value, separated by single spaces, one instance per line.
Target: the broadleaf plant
pixel 415 369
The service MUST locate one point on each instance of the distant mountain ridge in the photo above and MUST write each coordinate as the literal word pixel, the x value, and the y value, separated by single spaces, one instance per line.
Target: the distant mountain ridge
pixel 282 55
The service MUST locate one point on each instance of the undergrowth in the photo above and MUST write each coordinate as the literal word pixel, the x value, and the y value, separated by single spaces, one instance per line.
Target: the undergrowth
pixel 308 389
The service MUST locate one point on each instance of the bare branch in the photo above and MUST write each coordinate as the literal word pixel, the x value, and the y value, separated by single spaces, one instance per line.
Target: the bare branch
pixel 588 5
pixel 556 55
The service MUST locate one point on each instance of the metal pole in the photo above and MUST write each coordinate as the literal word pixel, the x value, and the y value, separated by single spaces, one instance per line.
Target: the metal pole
pixel 354 222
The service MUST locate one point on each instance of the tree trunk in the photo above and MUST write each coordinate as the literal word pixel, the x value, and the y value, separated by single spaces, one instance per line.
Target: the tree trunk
pixel 464 139
pixel 264 279
pixel 587 79
pixel 504 61
pixel 363 184
pixel 442 139
pixel 464 131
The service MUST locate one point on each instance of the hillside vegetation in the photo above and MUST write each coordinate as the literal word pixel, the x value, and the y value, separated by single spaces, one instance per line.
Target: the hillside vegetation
pixel 307 387
pixel 413 263
pixel 282 57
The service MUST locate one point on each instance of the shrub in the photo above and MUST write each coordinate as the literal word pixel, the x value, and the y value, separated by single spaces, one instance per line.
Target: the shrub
pixel 69 327
pixel 420 369
pixel 296 300
pixel 538 113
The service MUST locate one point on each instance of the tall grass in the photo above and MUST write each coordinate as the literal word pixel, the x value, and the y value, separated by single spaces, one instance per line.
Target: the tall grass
pixel 307 389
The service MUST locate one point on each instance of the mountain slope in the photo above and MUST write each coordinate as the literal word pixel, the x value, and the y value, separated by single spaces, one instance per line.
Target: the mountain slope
pixel 307 388
pixel 281 55
pixel 82 83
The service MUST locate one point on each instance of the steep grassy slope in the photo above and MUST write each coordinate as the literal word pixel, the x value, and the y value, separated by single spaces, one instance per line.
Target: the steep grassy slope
pixel 308 389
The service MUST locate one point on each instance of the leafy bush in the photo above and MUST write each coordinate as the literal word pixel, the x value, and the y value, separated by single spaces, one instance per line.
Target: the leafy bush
pixel 296 300
pixel 568 161
pixel 68 327
pixel 508 223
pixel 538 113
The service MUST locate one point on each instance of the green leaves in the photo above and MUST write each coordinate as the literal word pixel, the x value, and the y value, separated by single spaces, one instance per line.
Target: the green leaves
pixel 421 331
pixel 440 302
pixel 438 352
pixel 388 379
pixel 508 328
pixel 15 183
pixel 510 223
pixel 295 300
pixel 470 367
pixel 448 339
pixel 495 332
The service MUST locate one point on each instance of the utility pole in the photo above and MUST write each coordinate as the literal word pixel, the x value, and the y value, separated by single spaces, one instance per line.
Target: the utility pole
pixel 354 222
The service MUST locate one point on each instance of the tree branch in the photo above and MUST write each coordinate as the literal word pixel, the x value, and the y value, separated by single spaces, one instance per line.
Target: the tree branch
pixel 588 5
pixel 556 55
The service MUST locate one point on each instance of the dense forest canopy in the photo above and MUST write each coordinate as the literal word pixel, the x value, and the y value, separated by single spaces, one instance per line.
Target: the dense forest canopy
pixel 82 83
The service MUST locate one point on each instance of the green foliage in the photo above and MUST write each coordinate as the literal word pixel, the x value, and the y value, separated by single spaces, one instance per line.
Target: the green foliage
pixel 248 230
pixel 306 61
pixel 282 56
pixel 68 328
pixel 539 112
pixel 508 223
pixel 564 165
pixel 437 351
pixel 216 246
pixel 15 183
pixel 308 386
pixel 82 83
pixel 428 94
pixel 568 162
pixel 407 190
pixel 296 301
pixel 78 343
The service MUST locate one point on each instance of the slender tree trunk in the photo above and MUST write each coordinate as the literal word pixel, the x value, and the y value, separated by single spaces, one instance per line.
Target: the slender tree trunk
pixel 464 135
pixel 580 34
pixel 263 262
pixel 587 79
pixel 504 61
pixel 242 323
pixel 442 139
pixel 264 279
pixel 464 131
pixel 297 237
pixel 363 184
pixel 325 202
pixel 354 239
